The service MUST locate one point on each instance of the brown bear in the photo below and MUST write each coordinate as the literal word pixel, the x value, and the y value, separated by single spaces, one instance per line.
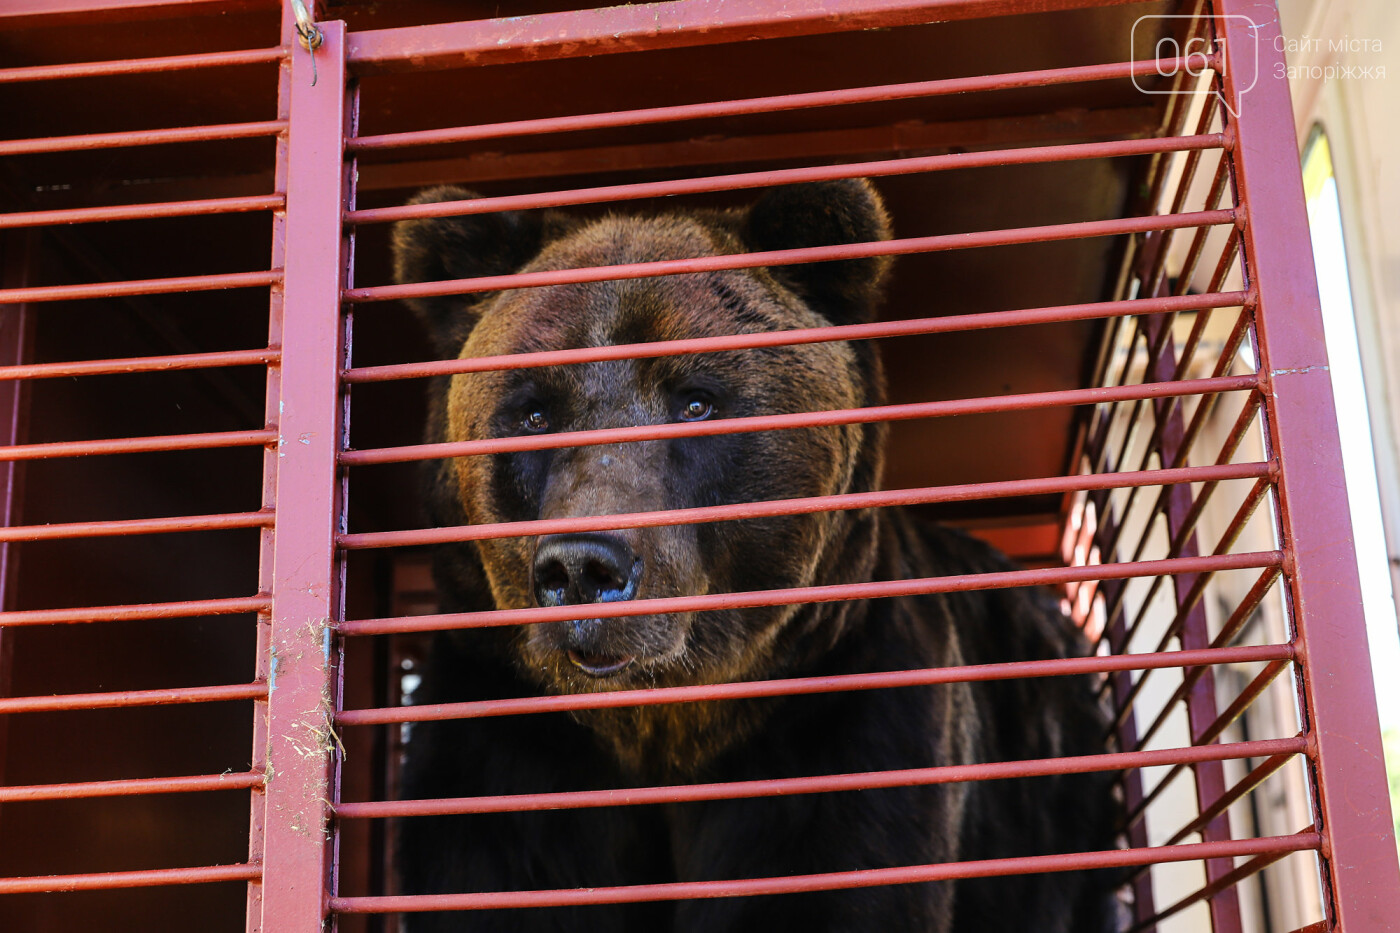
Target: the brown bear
pixel 735 740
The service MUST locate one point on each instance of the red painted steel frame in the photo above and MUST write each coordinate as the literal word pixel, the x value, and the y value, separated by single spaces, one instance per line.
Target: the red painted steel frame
pixel 291 867
pixel 301 740
pixel 649 26
pixel 1358 844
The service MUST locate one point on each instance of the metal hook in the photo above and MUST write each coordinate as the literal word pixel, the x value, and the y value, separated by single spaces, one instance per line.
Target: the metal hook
pixel 308 33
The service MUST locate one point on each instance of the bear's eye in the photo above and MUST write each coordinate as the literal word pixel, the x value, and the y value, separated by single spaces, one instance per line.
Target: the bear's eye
pixel 697 408
pixel 536 422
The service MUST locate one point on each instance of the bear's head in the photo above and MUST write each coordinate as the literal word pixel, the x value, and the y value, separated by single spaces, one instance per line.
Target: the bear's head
pixel 649 476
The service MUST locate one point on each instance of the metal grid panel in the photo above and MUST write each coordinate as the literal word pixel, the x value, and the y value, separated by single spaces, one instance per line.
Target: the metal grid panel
pixel 47 619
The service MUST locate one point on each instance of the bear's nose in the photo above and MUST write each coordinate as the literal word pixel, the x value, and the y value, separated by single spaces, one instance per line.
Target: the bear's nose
pixel 574 569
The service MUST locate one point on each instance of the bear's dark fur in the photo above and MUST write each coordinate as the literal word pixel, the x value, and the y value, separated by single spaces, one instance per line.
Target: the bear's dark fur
pixel 738 740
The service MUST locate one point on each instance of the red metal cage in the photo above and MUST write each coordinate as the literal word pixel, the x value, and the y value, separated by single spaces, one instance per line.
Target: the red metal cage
pixel 213 580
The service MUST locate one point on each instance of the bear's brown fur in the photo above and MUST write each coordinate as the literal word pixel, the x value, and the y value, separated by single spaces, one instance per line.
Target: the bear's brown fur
pixel 728 740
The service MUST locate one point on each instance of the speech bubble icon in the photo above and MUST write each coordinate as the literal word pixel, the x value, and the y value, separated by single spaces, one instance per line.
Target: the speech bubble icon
pixel 1204 51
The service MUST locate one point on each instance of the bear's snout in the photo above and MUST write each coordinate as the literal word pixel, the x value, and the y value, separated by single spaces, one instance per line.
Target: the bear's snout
pixel 574 569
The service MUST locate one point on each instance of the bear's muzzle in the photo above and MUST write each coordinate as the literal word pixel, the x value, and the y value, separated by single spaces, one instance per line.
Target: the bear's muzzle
pixel 571 570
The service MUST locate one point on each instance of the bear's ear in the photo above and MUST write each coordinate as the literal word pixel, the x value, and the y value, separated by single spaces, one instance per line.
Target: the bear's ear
pixel 431 249
pixel 826 213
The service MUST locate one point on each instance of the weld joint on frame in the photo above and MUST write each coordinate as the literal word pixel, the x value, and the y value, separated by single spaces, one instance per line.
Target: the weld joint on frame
pixel 1300 652
pixel 1227 137
pixel 1310 746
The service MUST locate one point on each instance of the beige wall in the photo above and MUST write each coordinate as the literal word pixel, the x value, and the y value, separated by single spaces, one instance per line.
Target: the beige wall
pixel 1360 108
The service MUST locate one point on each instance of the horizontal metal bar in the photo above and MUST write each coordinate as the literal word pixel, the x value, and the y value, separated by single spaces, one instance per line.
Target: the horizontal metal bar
pixel 952 323
pixel 128 66
pixel 652 26
pixel 134 445
pixel 832 881
pixel 817 784
pixel 142 364
pixel 883 589
pixel 188 609
pixel 184 283
pixel 860 500
pixel 755 105
pixel 82 215
pixel 882 413
pixel 241 780
pixel 130 698
pixel 782 257
pixel 736 182
pixel 183 134
pixel 104 881
pixel 799 686
pixel 137 526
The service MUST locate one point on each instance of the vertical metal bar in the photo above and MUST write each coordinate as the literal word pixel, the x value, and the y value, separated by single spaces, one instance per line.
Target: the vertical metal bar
pixel 1144 901
pixel 1125 732
pixel 1200 700
pixel 266 537
pixel 349 171
pixel 16 334
pixel 305 592
pixel 1320 562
